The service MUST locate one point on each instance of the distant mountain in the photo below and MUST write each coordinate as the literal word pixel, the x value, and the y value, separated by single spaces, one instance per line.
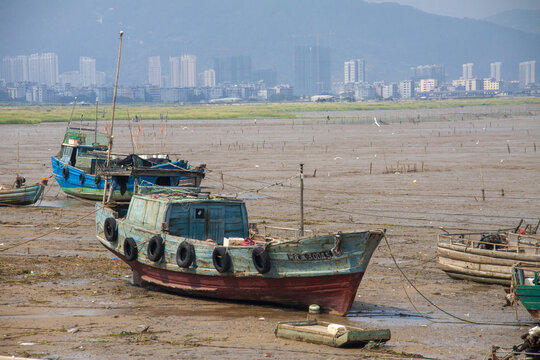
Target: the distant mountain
pixel 524 20
pixel 390 37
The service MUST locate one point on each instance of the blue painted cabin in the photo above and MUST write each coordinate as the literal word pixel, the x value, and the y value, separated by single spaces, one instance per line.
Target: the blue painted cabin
pixel 80 166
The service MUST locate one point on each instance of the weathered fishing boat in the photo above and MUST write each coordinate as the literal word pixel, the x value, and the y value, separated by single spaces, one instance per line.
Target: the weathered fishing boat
pixel 526 287
pixel 200 244
pixel 321 332
pixel 486 257
pixel 21 194
pixel 80 168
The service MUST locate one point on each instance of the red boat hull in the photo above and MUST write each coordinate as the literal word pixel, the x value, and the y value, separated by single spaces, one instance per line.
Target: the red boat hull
pixel 335 293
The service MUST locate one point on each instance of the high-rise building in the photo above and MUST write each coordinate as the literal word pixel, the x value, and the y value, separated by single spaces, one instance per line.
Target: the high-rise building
pixel 406 89
pixel 100 78
pixel 233 69
pixel 189 71
pixel 15 69
pixel 311 69
pixel 467 71
pixel 154 71
pixel 43 68
pixel 244 69
pixel 434 71
pixel 495 70
pixel 209 78
pixel 526 73
pixel 174 71
pixel 87 69
pixel 354 71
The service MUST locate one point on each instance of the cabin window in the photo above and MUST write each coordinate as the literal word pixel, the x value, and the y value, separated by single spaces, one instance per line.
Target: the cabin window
pixel 163 181
pixel 199 213
pixel 66 153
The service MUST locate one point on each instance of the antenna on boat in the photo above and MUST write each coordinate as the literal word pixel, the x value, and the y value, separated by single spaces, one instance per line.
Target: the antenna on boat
pixel 112 118
pixel 72 109
pixel 301 199
pixel 95 129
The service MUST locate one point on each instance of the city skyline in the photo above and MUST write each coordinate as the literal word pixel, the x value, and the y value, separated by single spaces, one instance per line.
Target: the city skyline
pixel 351 31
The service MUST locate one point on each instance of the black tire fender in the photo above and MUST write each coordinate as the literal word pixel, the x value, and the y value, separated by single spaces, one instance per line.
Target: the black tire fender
pixel 261 260
pixel 221 259
pixel 110 229
pixel 155 248
pixel 130 249
pixel 82 177
pixel 97 179
pixel 185 254
pixel 65 172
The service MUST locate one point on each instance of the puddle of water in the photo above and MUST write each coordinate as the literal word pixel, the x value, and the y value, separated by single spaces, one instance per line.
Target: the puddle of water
pixel 386 316
pixel 57 203
pixel 77 312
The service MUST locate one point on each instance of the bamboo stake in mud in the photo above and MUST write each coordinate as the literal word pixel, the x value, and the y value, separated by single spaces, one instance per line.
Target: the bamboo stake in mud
pixel 130 132
pixel 112 120
pixel 483 185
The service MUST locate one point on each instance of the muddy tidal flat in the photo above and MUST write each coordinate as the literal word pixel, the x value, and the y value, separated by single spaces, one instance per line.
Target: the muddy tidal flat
pixel 64 296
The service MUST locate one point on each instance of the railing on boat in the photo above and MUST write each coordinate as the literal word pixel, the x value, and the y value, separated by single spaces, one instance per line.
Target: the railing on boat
pixel 516 243
pixel 278 232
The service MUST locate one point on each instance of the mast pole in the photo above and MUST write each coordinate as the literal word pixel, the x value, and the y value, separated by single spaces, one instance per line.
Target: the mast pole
pixel 112 118
pixel 95 129
pixel 72 109
pixel 301 199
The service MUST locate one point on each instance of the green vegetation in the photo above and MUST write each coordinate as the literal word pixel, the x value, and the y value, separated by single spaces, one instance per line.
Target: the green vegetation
pixel 26 114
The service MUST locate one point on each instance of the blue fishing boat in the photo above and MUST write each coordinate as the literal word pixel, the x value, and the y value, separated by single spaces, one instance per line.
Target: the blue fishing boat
pixel 22 194
pixel 80 168
pixel 203 245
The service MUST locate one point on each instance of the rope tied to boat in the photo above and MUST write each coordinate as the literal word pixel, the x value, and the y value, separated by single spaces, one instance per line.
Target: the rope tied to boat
pixel 435 305
pixel 337 250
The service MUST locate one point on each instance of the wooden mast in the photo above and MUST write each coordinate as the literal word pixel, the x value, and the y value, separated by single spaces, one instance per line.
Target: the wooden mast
pixel 112 120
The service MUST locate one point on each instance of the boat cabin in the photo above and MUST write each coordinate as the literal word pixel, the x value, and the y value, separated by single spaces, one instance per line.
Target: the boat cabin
pixel 197 218
pixel 77 146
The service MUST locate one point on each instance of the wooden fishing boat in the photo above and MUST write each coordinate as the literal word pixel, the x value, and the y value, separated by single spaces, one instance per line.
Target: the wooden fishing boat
pixel 321 332
pixel 201 245
pixel 486 257
pixel 526 287
pixel 22 194
pixel 80 168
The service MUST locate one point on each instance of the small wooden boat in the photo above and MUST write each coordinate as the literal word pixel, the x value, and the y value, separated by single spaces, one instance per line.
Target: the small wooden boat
pixel 22 194
pixel 486 257
pixel 526 287
pixel 320 332
pixel 200 244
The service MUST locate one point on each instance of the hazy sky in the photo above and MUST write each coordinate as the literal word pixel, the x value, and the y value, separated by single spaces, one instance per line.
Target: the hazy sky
pixel 476 9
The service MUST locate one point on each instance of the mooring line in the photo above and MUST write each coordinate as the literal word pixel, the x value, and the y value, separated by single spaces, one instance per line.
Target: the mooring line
pixel 435 305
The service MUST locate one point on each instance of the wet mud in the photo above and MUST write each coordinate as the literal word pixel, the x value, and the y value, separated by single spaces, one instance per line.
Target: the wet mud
pixel 63 296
